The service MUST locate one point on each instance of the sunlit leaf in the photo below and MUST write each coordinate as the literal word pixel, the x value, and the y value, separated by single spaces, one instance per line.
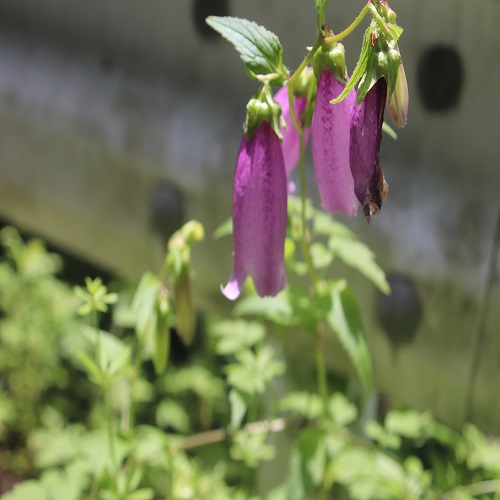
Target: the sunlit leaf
pixel 359 256
pixel 260 50
pixel 345 320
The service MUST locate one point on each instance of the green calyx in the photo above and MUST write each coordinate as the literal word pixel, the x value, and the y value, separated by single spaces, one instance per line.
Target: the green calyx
pixel 263 108
pixel 331 56
pixel 383 61
pixel 305 86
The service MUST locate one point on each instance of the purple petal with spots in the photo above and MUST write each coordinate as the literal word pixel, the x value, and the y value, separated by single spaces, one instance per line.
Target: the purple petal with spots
pixel 330 146
pixel 366 135
pixel 259 215
pixel 291 138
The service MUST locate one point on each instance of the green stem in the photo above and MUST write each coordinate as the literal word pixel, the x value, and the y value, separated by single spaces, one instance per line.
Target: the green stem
pixel 111 431
pixel 320 369
pixel 293 80
pixel 350 28
pixel 105 392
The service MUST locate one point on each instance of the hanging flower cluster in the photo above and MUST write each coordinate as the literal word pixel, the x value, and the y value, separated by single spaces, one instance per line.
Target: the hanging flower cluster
pixel 344 119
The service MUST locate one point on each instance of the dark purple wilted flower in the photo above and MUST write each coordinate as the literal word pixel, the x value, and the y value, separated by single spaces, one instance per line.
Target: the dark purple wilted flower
pixel 330 146
pixel 291 138
pixel 364 152
pixel 259 214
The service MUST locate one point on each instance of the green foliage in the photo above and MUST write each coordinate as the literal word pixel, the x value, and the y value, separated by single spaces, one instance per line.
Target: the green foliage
pixel 345 320
pixel 215 417
pixel 260 50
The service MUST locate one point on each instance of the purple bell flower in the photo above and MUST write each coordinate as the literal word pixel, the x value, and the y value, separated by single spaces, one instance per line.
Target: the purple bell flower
pixel 330 146
pixel 291 138
pixel 366 134
pixel 259 214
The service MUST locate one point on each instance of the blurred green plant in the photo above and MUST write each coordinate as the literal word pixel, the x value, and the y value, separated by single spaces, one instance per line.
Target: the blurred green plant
pixel 105 415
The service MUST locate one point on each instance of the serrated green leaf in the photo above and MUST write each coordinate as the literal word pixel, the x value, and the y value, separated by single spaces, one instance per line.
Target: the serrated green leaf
pixel 358 256
pixel 360 68
pixel 344 318
pixel 260 50
pixel 321 6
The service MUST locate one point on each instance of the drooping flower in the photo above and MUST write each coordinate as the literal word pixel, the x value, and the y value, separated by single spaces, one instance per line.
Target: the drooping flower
pixel 364 152
pixel 330 146
pixel 259 214
pixel 291 138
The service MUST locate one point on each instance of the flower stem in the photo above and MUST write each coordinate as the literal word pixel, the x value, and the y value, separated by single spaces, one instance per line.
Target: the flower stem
pixel 320 368
pixel 105 391
pixel 350 28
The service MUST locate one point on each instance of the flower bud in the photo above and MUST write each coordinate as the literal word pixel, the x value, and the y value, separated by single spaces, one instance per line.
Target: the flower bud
pixel 397 102
pixel 388 15
pixel 331 56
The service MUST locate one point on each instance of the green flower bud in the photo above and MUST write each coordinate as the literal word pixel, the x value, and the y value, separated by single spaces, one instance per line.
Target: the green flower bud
pixel 385 11
pixel 397 102
pixel 305 84
pixel 263 108
pixel 392 70
pixel 331 56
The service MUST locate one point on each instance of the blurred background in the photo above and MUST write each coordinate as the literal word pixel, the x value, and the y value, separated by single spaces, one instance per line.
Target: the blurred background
pixel 119 120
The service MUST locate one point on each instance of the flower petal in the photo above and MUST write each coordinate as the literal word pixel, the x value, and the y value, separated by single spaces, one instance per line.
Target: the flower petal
pixel 259 215
pixel 330 146
pixel 366 134
pixel 291 138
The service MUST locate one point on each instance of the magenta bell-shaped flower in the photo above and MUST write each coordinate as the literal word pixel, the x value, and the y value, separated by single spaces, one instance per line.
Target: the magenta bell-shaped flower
pixel 330 146
pixel 259 214
pixel 364 153
pixel 291 138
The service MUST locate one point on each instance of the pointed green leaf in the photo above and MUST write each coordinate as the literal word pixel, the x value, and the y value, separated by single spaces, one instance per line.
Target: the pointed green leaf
pixel 238 407
pixel 358 256
pixel 225 229
pixel 144 305
pixel 321 6
pixel 161 350
pixel 360 68
pixel 389 131
pixel 260 50
pixel 90 367
pixel 344 318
